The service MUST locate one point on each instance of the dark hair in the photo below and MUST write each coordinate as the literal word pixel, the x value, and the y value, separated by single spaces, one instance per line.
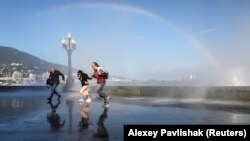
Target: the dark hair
pixel 96 64
pixel 80 71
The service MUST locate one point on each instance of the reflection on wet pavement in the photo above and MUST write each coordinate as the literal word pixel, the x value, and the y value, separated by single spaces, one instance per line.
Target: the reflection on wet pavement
pixel 101 131
pixel 54 118
pixel 26 115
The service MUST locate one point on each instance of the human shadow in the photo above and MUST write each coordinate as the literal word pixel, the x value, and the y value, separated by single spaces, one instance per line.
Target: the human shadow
pixel 101 133
pixel 54 118
pixel 84 123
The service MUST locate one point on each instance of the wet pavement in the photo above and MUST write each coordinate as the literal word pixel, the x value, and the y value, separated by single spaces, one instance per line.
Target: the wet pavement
pixel 25 115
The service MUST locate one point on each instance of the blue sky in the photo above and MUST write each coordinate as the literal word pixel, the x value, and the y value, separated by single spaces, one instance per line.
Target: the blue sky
pixel 139 39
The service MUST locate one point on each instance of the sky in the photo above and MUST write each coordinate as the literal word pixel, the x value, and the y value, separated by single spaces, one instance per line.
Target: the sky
pixel 137 39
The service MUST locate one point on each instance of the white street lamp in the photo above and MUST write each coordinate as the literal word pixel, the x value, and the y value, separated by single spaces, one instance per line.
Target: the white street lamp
pixel 69 44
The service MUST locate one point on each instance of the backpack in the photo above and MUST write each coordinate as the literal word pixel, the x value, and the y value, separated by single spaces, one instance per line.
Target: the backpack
pixel 105 74
pixel 49 81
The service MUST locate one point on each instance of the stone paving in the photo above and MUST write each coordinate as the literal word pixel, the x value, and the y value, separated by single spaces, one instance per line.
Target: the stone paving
pixel 25 115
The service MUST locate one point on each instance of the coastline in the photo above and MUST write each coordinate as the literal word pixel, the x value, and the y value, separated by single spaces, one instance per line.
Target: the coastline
pixel 228 93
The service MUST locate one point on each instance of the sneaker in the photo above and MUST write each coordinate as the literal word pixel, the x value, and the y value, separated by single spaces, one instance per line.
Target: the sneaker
pixel 80 100
pixel 105 105
pixel 88 100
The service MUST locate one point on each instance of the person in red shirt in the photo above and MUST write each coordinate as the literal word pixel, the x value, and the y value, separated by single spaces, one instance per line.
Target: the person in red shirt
pixel 101 81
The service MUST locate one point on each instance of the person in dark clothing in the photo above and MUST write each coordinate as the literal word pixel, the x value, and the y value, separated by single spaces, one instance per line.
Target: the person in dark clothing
pixel 54 76
pixel 83 77
pixel 101 81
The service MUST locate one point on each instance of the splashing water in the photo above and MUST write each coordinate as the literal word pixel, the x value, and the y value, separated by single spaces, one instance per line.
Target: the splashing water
pixel 237 76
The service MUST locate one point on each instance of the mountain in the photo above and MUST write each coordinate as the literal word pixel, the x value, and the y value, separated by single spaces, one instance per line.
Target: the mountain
pixel 10 55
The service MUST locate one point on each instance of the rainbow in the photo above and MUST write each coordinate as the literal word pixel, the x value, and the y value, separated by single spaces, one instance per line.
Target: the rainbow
pixel 140 11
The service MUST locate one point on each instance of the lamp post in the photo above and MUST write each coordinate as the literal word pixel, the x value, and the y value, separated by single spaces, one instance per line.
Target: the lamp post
pixel 69 44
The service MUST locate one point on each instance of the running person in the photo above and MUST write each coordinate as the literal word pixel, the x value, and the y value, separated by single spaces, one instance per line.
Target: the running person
pixel 98 75
pixel 84 91
pixel 54 76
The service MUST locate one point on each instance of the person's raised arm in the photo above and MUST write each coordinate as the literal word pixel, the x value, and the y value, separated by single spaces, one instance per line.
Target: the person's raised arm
pixel 89 77
pixel 93 74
